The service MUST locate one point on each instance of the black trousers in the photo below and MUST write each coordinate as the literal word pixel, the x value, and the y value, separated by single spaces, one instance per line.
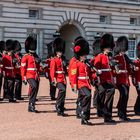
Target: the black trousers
pixel 137 103
pixel 60 101
pixel 18 86
pixel 52 89
pixel 34 87
pixel 85 94
pixel 95 97
pixel 79 104
pixel 1 79
pixel 105 99
pixel 9 87
pixel 123 100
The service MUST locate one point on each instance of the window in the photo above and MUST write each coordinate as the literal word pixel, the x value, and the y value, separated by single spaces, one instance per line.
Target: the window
pixel 106 19
pixel 132 48
pixel 35 13
pixel 103 19
pixel 133 21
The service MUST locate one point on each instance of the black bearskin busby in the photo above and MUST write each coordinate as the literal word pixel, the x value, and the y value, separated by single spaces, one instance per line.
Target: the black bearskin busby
pixel 30 44
pixel 17 46
pixel 138 50
pixel 81 48
pixel 2 46
pixel 121 45
pixel 9 45
pixel 59 45
pixel 77 39
pixel 107 41
pixel 96 47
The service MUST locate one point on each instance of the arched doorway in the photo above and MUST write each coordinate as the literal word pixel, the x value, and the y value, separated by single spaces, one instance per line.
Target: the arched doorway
pixel 69 32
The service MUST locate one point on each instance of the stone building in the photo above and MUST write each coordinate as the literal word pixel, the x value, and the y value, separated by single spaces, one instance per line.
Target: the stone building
pixel 41 18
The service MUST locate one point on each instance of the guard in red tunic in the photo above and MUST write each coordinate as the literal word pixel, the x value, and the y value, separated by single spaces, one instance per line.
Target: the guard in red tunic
pixel 18 78
pixel 122 76
pixel 8 70
pixel 30 69
pixel 57 74
pixel 77 42
pixel 106 88
pixel 81 82
pixel 47 75
pixel 136 80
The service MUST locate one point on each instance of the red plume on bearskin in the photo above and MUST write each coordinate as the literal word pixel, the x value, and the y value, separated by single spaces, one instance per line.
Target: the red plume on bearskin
pixel 81 47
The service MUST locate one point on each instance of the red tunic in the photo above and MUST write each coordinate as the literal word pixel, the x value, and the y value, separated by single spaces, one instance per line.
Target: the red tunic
pixel 17 68
pixel 72 62
pixel 81 75
pixel 29 68
pixel 136 74
pixel 57 71
pixel 101 62
pixel 124 68
pixel 8 66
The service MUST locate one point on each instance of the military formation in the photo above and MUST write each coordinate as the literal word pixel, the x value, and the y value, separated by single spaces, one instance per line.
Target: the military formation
pixel 107 70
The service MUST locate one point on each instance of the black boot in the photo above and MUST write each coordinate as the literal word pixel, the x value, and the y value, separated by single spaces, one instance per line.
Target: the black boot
pixel 31 108
pixel 109 121
pixel 85 122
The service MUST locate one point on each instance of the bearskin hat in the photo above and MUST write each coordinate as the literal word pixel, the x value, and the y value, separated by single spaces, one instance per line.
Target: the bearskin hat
pixel 9 45
pixel 107 41
pixel 138 50
pixel 81 48
pixel 30 44
pixel 2 46
pixel 96 47
pixel 59 45
pixel 17 46
pixel 77 39
pixel 121 45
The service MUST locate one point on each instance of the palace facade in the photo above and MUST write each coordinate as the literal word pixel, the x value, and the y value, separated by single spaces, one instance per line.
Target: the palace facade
pixel 88 18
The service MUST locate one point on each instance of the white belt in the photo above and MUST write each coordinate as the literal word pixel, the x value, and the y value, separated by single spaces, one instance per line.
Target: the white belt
pixel 9 68
pixel 123 71
pixel 31 69
pixel 59 72
pixel 105 70
pixel 1 66
pixel 83 78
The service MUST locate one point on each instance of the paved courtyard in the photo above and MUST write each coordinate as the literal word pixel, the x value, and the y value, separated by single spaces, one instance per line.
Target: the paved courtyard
pixel 17 124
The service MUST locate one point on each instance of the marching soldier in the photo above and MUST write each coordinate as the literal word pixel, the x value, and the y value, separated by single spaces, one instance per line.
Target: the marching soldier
pixel 73 62
pixel 8 70
pixel 57 74
pixel 122 76
pixel 47 75
pixel 81 82
pixel 47 69
pixel 136 80
pixel 106 88
pixel 30 69
pixel 18 78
